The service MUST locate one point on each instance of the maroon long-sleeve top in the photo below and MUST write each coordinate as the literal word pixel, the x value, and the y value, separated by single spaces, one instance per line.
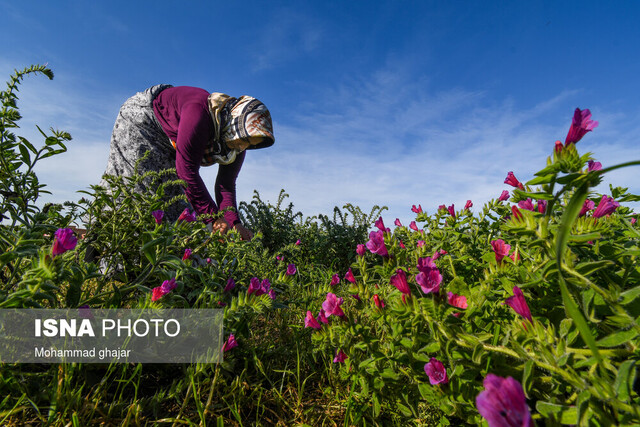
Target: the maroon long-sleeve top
pixel 184 116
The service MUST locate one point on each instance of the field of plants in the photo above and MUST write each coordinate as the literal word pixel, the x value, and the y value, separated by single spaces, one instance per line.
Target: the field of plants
pixel 524 313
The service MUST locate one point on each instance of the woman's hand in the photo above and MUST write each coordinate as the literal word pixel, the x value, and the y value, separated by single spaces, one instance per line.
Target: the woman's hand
pixel 245 233
pixel 220 225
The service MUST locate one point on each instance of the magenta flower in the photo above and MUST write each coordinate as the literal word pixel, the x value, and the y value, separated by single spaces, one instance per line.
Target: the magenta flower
pixel 322 317
pixel 209 260
pixel 452 210
pixel 437 254
pixel 291 269
pixel 429 281
pixel 413 226
pixel 360 249
pixel 187 254
pixel 272 294
pixel 298 242
pixel 357 297
pixel 420 243
pixel 402 246
pixel 436 372
pixel 417 210
pixel 378 301
pixel 399 280
pixel 426 264
pixel 606 207
pixel 527 204
pixel 633 220
pixel 279 258
pixel 503 403
pixel 231 343
pixel 516 213
pixel 513 181
pixel 340 357
pixel 162 290
pixel 187 216
pixel 335 279
pixel 500 248
pixel 230 285
pixel 158 215
pixel 380 225
pixel 64 240
pixel 349 276
pixel 255 287
pixel 442 207
pixel 376 243
pixel 84 311
pixel 331 305
pixel 468 205
pixel 587 206
pixel 504 196
pixel 580 125
pixel 397 222
pixel 594 166
pixel 519 304
pixel 311 322
pixel 542 206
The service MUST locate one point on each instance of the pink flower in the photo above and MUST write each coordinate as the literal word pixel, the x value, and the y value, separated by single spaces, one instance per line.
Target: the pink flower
pixel 187 254
pixel 187 216
pixel 438 254
pixel 357 297
pixel 230 285
pixel 158 215
pixel 429 281
pixel 399 280
pixel 606 207
pixel 349 276
pixel 378 301
pixel 633 220
pixel 335 279
pixel 360 249
pixel 594 166
pixel 397 222
pixel 442 207
pixel 456 300
pixel 426 264
pixel 279 258
pixel 298 242
pixel 502 403
pixel 436 372
pixel 401 245
pixel 231 343
pixel 331 305
pixel 380 224
pixel 452 211
pixel 468 205
pixel 340 357
pixel 291 269
pixel 417 210
pixel 209 260
pixel 513 181
pixel 587 206
pixel 542 206
pixel 322 317
pixel 376 243
pixel 420 243
pixel 311 322
pixel 558 147
pixel 519 304
pixel 580 125
pixel 504 196
pixel 272 294
pixel 500 248
pixel 516 213
pixel 162 290
pixel 64 241
pixel 527 204
pixel 413 226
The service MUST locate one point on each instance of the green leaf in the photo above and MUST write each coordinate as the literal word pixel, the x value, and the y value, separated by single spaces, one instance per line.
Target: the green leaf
pixel 625 379
pixel 630 295
pixel 526 375
pixel 617 338
pixel 376 404
pixel 543 179
pixel 568 218
pixel 580 238
pixel 565 414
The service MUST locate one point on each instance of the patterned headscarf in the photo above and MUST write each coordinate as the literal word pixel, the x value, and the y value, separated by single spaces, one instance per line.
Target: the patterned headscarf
pixel 244 118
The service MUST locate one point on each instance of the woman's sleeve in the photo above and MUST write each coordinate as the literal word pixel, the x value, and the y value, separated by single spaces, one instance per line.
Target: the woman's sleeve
pixel 193 134
pixel 226 188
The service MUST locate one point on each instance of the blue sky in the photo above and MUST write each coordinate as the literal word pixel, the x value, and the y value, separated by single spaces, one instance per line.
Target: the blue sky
pixel 391 103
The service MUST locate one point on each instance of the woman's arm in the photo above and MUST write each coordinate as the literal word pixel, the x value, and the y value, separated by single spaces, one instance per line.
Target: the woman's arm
pixel 225 188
